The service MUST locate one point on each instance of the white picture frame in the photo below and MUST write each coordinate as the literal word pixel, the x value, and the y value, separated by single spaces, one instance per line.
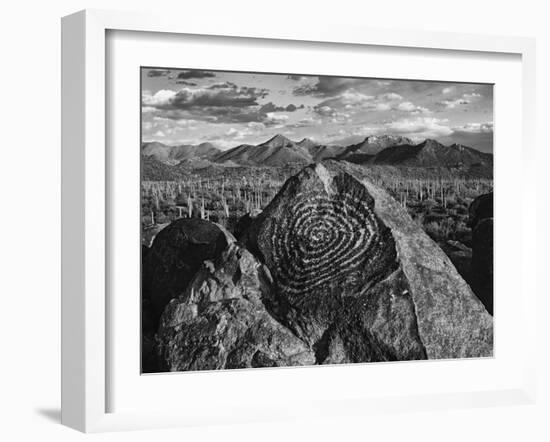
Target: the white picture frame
pixel 85 232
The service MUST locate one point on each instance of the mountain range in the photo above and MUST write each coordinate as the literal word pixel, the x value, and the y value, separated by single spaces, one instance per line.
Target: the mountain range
pixel 279 151
pixel 176 154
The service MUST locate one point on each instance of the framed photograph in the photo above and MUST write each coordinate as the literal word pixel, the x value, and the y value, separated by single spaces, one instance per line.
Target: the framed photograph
pixel 262 223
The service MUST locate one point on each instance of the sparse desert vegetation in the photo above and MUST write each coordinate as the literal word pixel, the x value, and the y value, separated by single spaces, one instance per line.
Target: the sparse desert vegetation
pixel 223 198
pixel 437 199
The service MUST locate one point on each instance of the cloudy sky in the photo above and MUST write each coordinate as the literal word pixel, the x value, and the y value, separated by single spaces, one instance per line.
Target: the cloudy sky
pixel 229 108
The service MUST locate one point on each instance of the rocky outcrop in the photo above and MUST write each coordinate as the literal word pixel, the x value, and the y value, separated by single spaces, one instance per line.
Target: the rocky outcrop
pixel 481 221
pixel 244 222
pixel 174 258
pixel 481 208
pixel 333 270
pixel 221 320
pixel 357 280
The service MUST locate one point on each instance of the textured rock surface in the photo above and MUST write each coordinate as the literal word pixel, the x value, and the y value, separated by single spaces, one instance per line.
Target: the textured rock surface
pixel 221 322
pixel 357 279
pixel 334 270
pixel 175 256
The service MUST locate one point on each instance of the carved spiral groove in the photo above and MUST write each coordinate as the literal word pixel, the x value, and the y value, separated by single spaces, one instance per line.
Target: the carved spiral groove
pixel 324 241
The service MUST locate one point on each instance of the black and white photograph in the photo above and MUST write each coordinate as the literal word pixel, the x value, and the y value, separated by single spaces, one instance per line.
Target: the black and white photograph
pixel 231 221
pixel 296 220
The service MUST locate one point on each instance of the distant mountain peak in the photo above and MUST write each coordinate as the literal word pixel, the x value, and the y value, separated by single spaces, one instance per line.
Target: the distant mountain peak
pixel 278 141
pixel 458 146
pixel 207 144
pixel 307 143
pixel 387 139
pixel 177 154
pixel 371 145
pixel 431 153
pixel 430 142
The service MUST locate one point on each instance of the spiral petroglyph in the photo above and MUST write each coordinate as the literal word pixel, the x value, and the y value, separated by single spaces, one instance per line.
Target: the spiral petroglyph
pixel 323 238
pixel 327 236
pixel 332 271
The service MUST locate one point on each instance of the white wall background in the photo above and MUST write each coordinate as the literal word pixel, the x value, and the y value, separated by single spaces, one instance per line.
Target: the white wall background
pixel 30 220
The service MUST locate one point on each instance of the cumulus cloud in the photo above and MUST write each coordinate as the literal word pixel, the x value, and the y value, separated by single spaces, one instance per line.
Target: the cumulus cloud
pixel 167 127
pixel 186 83
pixel 221 102
pixel 407 106
pixel 324 110
pixel 270 107
pixel 275 119
pixel 350 100
pixel 451 104
pixel 382 106
pixel 477 128
pixel 419 128
pixel 224 95
pixel 390 96
pixel 306 122
pixel 194 73
pixel 158 99
pixel 255 126
pixel 252 129
pixel 328 86
pixel 297 77
pixel 158 73
pixel 464 99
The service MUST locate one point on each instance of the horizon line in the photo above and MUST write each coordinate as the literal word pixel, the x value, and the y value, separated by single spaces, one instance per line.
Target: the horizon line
pixel 308 138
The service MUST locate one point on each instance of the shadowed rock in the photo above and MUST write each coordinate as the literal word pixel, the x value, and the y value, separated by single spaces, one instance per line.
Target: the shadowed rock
pixel 357 279
pixel 175 256
pixel 481 208
pixel 481 221
pixel 244 223
pixel 150 233
pixel 221 322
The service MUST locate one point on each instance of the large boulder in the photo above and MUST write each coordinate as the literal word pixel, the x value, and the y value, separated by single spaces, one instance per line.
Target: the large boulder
pixel 149 234
pixel 220 321
pixel 481 221
pixel 357 279
pixel 174 258
pixel 244 222
pixel 481 208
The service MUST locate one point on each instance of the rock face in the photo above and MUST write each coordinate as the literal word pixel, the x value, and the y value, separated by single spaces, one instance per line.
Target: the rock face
pixel 357 280
pixel 174 258
pixel 481 221
pixel 243 223
pixel 221 321
pixel 481 208
pixel 333 270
